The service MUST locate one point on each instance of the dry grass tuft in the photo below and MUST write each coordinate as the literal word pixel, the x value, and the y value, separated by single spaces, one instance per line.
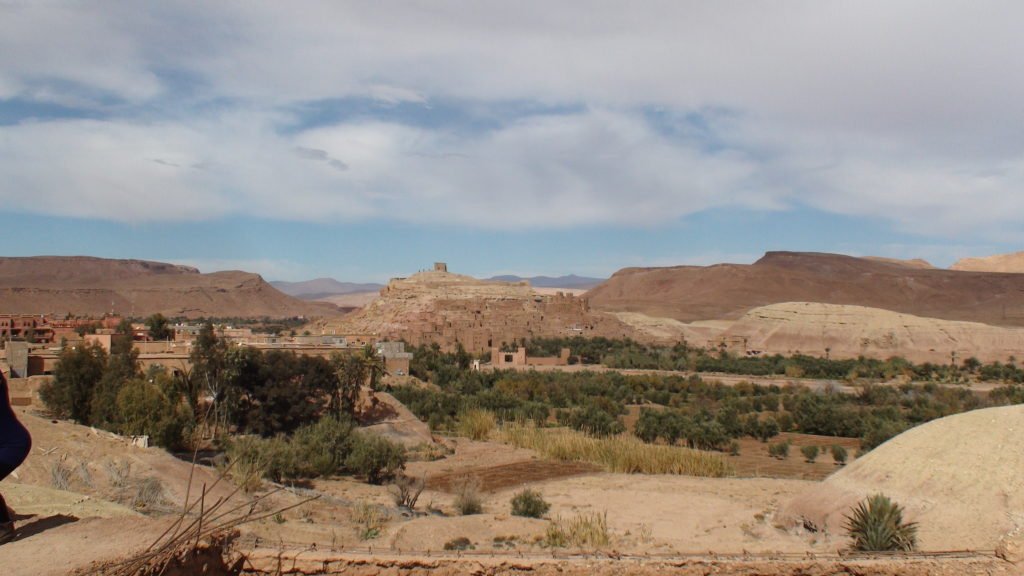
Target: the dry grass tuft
pixel 369 520
pixel 476 424
pixel 622 453
pixel 60 474
pixel 580 531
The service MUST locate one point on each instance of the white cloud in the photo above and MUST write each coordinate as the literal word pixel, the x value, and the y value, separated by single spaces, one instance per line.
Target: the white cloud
pixel 550 171
pixel 908 111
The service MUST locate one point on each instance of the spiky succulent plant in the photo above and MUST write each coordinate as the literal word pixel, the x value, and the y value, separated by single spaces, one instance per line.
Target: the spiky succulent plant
pixel 876 525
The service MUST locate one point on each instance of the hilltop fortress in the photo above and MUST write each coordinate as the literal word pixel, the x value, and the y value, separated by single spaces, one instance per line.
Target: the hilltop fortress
pixel 451 309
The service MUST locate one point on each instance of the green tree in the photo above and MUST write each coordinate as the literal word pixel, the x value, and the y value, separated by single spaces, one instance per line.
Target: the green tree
pixel 121 341
pixel 145 409
pixel 208 375
pixel 78 371
pixel 284 392
pixel 159 327
pixel 351 375
pixel 375 366
pixel 120 368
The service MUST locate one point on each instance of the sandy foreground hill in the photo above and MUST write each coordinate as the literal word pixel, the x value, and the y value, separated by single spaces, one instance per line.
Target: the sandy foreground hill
pixel 727 291
pixel 95 286
pixel 960 477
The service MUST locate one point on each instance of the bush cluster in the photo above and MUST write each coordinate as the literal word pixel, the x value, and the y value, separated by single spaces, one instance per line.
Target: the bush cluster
pixel 325 448
pixel 874 415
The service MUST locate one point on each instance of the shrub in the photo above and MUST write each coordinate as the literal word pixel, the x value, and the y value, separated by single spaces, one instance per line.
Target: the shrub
pixel 779 450
pixel 580 531
pixel 254 458
pixel 530 504
pixel 476 424
pixel 467 496
pixel 767 429
pixel 375 458
pixel 594 422
pixel 322 448
pixel 839 454
pixel 876 525
pixel 785 421
pixel 405 491
pixel 460 543
pixel 810 453
pixel 878 431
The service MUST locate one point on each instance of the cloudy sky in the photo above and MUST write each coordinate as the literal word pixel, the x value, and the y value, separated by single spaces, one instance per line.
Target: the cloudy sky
pixel 363 140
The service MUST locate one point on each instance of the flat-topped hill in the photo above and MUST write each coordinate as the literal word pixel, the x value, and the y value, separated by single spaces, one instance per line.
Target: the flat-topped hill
pixel 93 286
pixel 690 293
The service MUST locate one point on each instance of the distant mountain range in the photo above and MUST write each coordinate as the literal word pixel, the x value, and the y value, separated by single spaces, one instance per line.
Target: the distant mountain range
pixel 321 288
pixel 570 281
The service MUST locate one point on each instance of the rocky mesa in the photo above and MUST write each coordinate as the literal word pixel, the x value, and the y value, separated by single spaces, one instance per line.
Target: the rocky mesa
pixel 727 291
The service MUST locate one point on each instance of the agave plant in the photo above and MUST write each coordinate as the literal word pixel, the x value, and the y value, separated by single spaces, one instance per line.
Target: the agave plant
pixel 876 525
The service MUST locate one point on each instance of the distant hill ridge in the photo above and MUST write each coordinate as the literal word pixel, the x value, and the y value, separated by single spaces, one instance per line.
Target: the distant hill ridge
pixel 320 288
pixel 567 281
pixel 690 293
pixel 86 285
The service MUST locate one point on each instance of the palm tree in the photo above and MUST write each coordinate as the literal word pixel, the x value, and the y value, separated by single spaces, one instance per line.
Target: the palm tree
pixel 376 367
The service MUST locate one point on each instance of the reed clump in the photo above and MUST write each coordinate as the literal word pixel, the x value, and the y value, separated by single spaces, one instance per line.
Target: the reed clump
pixel 622 453
pixel 476 424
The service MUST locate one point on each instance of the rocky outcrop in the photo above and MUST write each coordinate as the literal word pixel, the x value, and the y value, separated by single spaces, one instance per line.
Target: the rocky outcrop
pixel 451 309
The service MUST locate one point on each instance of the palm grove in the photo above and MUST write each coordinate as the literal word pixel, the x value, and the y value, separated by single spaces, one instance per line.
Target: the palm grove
pixel 298 411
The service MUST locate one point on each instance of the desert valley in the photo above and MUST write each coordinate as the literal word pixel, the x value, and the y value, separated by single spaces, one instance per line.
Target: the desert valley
pixel 727 418
pixel 533 288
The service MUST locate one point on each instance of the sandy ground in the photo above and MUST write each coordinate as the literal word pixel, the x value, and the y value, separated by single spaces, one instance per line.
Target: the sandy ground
pixel 679 514
pixel 960 477
pixel 944 474
pixel 58 529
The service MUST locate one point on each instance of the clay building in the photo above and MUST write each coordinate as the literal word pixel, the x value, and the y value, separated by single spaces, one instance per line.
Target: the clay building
pixel 25 327
pixel 437 306
pixel 519 357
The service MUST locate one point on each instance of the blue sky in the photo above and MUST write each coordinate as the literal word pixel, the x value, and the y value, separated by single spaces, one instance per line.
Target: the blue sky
pixel 367 140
